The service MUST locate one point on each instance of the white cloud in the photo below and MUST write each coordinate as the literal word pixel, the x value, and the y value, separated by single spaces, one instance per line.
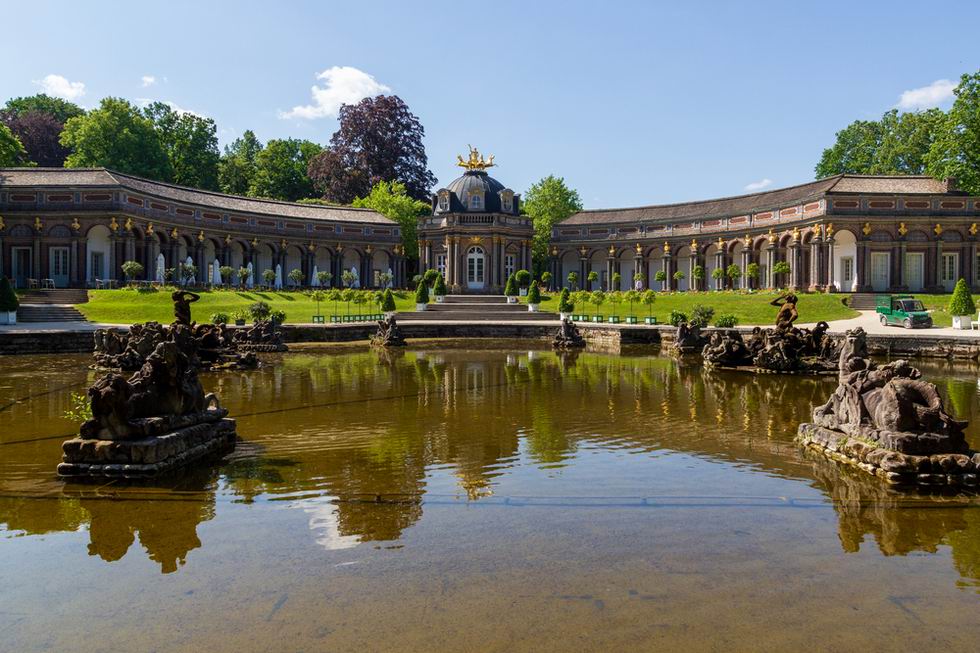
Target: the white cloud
pixel 341 85
pixel 148 80
pixel 58 86
pixel 927 97
pixel 758 185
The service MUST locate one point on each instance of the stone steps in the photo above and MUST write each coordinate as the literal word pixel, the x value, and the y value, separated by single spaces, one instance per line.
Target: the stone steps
pixel 48 313
pixel 55 296
pixel 475 299
pixel 460 307
pixel 862 301
pixel 482 316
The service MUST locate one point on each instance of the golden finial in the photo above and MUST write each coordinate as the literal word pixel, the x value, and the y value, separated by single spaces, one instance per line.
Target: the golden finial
pixel 114 225
pixel 149 228
pixel 129 224
pixel 283 243
pixel 612 251
pixel 830 230
pixel 938 229
pixel 796 234
pixel 866 229
pixel 340 248
pixel 38 225
pixel 582 250
pixel 475 161
pixel 771 236
pixel 902 229
pixel 200 236
pixel 639 249
pixel 368 249
pixel 75 224
pixel 311 247
pixel 255 242
pixel 554 251
pixel 227 239
pixel 816 230
pixel 666 247
pixel 747 241
pixel 174 233
pixel 973 229
pixel 721 243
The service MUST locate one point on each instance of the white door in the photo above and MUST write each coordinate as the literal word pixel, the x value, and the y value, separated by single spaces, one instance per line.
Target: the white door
pixel 475 266
pixel 58 266
pixel 949 270
pixel 21 265
pixel 914 267
pixel 847 274
pixel 879 271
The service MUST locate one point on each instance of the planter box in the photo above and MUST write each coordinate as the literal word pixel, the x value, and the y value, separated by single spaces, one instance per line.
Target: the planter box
pixel 532 308
pixel 334 319
pixel 440 298
pixel 567 316
pixel 962 322
pixel 613 319
pixel 317 319
pixel 239 322
pixel 649 320
pixel 511 300
pixel 597 318
pixel 630 319
pixel 420 307
pixel 523 292
pixel 8 317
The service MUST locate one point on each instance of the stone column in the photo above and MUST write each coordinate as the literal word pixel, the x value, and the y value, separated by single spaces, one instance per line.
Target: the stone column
pixel 971 264
pixel 639 265
pixel 610 269
pixel 719 264
pixel 829 261
pixel 814 263
pixel 668 267
pixel 902 276
pixel 744 263
pixel 770 262
pixel 583 273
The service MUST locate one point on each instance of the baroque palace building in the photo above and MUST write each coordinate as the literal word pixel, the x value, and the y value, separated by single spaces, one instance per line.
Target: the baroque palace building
pixel 848 233
pixel 76 226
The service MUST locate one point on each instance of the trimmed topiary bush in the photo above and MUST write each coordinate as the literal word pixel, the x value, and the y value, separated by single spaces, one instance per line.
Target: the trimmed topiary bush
pixel 422 293
pixel 430 276
pixel 565 305
pixel 439 288
pixel 278 317
pixel 259 311
pixel 8 298
pixel 388 302
pixel 534 294
pixel 961 303
pixel 510 289
pixel 676 317
pixel 523 278
pixel 726 321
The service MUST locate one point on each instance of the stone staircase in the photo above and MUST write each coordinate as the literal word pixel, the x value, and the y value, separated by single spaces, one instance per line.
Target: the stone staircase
pixel 479 308
pixel 53 305
pixel 862 301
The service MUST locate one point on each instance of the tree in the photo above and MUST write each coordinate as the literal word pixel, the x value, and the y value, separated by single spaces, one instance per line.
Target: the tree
pixel 564 303
pixel 592 277
pixel 39 133
pixel 132 269
pixel 116 135
pixel 733 272
pixel 226 271
pixel 347 277
pixel 534 294
pixel 391 200
pixel 60 110
pixel 388 302
pixel 269 276
pixel 697 273
pixel 323 277
pixel 718 274
pixel 546 279
pixel 956 152
pixel 378 139
pixel 242 276
pixel 853 151
pixel 296 276
pixel 752 270
pixel 12 152
pixel 617 279
pixel 422 293
pixel 597 298
pixel 439 288
pixel 961 302
pixel 573 280
pixel 648 298
pixel 236 168
pixel 191 144
pixel 523 278
pixel 547 203
pixel 780 268
pixel 631 297
pixel 661 276
pixel 8 298
pixel 510 288
pixel 280 170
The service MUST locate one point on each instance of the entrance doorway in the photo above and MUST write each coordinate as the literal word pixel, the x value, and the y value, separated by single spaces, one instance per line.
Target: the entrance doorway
pixel 58 266
pixel 948 270
pixel 879 271
pixel 914 268
pixel 21 262
pixel 97 267
pixel 475 268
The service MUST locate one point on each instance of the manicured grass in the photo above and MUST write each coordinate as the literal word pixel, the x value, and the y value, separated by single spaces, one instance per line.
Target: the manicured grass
pixel 749 308
pixel 128 306
pixel 937 304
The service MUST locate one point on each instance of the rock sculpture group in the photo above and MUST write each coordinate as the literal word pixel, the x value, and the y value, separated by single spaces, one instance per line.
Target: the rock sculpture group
pixel 887 421
pixel 388 334
pixel 568 337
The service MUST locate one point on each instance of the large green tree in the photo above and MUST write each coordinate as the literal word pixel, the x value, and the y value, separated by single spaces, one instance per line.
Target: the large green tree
pixel 236 170
pixel 853 150
pixel 12 152
pixel 117 135
pixel 548 202
pixel 60 110
pixel 280 170
pixel 391 199
pixel 956 152
pixel 191 144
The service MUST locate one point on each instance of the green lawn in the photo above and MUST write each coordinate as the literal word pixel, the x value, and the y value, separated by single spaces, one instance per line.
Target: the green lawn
pixel 128 306
pixel 937 304
pixel 750 309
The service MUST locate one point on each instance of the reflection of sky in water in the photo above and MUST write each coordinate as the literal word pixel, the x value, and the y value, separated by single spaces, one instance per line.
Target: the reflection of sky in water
pixel 323 522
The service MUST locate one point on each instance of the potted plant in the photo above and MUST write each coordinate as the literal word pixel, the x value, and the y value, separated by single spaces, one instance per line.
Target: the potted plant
pixel 617 278
pixel 726 321
pixel 421 296
pixel 219 318
pixel 523 279
pixel 277 317
pixel 533 297
pixel 242 276
pixel 336 295
pixel 317 296
pixel 188 272
pixel 615 298
pixel 388 303
pixel 697 273
pixel 240 316
pixel 631 296
pixel 296 277
pixel 597 298
pixel 661 276
pixel 8 302
pixel 638 280
pixel 678 277
pixel 592 277
pixel 779 269
pixel 132 269
pixel 546 279
pixel 580 298
pixel 961 305
pixel 573 280
pixel 226 271
pixel 510 290
pixel 346 296
pixel 752 272
pixel 439 288
pixel 360 299
pixel 269 276
pixel 323 278
pixel 718 274
pixel 430 277
pixel 259 311
pixel 733 272
pixel 648 298
pixel 565 305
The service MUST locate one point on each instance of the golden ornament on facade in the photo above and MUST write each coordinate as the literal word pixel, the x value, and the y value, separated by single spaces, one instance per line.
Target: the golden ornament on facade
pixel 227 239
pixel 340 248
pixel 721 243
pixel 149 228
pixel 2 225
pixel 666 247
pixel 694 245
pixel 612 251
pixel 796 234
pixel 771 236
pixel 200 236
pixel 938 229
pixel 554 251
pixel 255 242
pixel 639 249
pixel 129 224
pixel 76 225
pixel 582 250
pixel 283 243
pixel 830 230
pixel 114 225
pixel 747 241
pixel 173 233
pixel 475 240
pixel 311 247
pixel 973 229
pixel 475 160
pixel 866 229
pixel 368 249
pixel 816 230
pixel 902 229
pixel 38 225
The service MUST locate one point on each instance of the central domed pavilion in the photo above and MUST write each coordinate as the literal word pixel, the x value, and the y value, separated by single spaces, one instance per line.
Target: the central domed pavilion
pixel 476 236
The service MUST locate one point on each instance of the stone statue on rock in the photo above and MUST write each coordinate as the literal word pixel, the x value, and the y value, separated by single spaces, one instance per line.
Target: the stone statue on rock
pixel 727 349
pixel 388 334
pixel 568 337
pixel 688 339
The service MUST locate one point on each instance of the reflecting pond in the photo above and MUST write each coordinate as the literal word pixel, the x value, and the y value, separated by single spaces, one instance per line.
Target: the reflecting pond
pixel 491 498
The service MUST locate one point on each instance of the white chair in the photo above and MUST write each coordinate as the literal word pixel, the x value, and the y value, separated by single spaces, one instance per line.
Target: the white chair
pixel 976 323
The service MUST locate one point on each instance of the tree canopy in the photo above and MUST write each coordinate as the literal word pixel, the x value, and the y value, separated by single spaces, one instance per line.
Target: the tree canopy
pixel 236 169
pixel 378 139
pixel 117 135
pixel 548 202
pixel 12 152
pixel 39 133
pixel 60 110
pixel 391 199
pixel 956 151
pixel 191 144
pixel 280 170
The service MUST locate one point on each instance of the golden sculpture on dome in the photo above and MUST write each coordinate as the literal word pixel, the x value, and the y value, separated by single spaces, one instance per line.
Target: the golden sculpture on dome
pixel 476 160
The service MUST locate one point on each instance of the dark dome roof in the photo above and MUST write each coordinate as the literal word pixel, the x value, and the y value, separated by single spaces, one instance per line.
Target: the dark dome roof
pixel 475 180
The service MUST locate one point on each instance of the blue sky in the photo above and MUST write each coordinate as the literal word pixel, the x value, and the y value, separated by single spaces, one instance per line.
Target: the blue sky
pixel 632 102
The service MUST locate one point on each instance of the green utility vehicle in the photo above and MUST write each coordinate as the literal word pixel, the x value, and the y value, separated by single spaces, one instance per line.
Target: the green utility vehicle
pixel 904 310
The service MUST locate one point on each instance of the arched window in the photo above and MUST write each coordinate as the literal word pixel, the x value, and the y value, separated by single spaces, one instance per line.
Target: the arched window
pixel 443 201
pixel 475 266
pixel 476 202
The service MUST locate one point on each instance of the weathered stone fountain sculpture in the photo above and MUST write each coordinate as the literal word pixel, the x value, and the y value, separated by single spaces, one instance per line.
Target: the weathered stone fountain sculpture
pixel 388 335
pixel 263 336
pixel 688 339
pixel 568 337
pixel 154 422
pixel 886 421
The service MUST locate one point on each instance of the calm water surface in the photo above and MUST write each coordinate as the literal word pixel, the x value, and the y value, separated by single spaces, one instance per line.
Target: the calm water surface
pixel 482 499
